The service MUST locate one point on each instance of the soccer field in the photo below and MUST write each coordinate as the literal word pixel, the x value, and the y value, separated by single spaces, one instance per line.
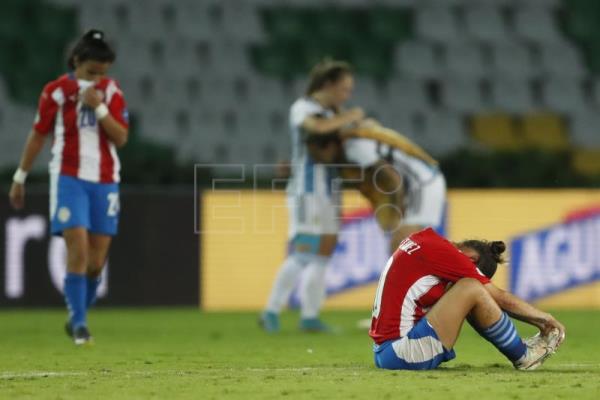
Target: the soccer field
pixel 183 353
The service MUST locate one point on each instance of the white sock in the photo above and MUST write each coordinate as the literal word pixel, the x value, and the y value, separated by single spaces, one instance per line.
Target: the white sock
pixel 286 280
pixel 312 293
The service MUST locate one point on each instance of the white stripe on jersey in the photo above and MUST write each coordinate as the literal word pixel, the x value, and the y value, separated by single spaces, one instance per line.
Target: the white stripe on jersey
pixel 418 289
pixel 59 133
pixel 89 150
pixel 116 161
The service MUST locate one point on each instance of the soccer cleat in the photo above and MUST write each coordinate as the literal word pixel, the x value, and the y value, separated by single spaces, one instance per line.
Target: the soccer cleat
pixel 533 359
pixel 552 340
pixel 82 336
pixel 269 321
pixel 313 325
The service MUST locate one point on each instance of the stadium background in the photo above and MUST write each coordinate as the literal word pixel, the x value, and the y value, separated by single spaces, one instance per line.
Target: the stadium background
pixel 505 93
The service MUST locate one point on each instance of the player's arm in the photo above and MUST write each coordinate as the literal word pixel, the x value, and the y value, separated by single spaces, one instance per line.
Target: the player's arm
pixel 314 125
pixel 116 132
pixel 33 146
pixel 523 311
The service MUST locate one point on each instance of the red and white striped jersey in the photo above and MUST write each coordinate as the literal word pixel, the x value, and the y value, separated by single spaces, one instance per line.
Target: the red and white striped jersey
pixel 414 279
pixel 81 147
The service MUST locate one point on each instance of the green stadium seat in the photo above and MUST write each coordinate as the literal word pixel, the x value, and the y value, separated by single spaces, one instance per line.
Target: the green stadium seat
pixel 279 60
pixel 288 23
pixel 390 24
pixel 372 59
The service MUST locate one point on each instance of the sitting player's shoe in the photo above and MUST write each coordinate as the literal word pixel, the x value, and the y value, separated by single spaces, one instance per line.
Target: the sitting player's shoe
pixel 534 358
pixel 82 336
pixel 552 340
pixel 269 321
pixel 313 325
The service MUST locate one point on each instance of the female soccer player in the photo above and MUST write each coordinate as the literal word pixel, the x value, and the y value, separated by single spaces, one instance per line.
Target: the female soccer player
pixel 313 201
pixel 405 186
pixel 427 290
pixel 86 112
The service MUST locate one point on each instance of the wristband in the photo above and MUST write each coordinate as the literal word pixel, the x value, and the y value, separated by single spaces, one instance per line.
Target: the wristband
pixel 19 176
pixel 101 111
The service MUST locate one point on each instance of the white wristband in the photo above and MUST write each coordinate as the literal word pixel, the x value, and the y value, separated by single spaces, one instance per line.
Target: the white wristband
pixel 19 176
pixel 101 111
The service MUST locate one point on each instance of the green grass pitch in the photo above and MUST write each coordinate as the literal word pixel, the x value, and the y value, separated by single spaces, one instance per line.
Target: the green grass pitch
pixel 183 353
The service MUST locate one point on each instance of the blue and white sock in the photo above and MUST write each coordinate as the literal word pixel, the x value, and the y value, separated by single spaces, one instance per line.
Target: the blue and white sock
pixel 75 297
pixel 92 289
pixel 505 337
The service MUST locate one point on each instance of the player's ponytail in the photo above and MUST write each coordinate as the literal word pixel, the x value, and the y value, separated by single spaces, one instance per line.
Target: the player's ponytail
pixel 91 46
pixel 326 71
pixel 490 254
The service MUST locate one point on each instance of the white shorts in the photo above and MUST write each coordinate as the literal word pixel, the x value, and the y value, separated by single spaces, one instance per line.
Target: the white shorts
pixel 314 214
pixel 427 203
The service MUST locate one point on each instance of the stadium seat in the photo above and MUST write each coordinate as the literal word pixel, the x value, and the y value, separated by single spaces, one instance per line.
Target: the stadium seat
pixel 484 23
pixel 367 94
pixel 511 95
pixel 442 132
pixel 464 61
pixel 513 60
pixel 564 95
pixel 390 24
pixel 406 95
pixel 495 131
pixel 585 129
pixel 463 96
pixel 587 162
pixel 241 21
pixel 416 59
pixel 437 23
pixel 372 59
pixel 561 61
pixel 537 25
pixel 545 131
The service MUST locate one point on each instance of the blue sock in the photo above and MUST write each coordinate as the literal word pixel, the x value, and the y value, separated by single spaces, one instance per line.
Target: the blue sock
pixel 92 288
pixel 75 297
pixel 505 337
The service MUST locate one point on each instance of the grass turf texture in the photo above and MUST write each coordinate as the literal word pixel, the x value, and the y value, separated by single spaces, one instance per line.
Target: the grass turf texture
pixel 182 353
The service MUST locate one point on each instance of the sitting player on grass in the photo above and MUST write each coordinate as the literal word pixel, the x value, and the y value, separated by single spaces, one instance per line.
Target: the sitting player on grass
pixel 430 286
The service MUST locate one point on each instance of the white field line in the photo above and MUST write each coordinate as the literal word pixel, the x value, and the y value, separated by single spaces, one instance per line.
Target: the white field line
pixel 59 374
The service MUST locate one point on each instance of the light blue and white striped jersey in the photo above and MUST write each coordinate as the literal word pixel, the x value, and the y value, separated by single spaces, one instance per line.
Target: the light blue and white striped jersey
pixel 307 177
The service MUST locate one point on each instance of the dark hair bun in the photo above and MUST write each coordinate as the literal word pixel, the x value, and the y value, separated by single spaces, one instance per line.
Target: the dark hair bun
pixel 497 247
pixel 94 34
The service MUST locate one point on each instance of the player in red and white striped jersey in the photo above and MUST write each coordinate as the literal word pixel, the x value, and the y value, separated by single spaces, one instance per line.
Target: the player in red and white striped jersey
pixel 427 290
pixel 86 113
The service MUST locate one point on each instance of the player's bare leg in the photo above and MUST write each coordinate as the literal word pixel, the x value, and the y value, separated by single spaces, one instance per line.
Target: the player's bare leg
pixel 467 296
pixel 75 289
pixel 469 299
pixel 313 290
pixel 98 253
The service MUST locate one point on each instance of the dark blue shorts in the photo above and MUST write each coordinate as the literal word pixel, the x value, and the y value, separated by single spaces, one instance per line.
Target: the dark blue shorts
pixel 78 203
pixel 420 349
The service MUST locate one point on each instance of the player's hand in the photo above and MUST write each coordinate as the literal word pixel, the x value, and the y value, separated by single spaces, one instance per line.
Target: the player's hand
pixel 552 323
pixel 16 196
pixel 91 97
pixel 355 114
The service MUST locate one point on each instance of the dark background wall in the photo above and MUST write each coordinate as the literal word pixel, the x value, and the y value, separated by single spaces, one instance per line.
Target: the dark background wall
pixel 154 259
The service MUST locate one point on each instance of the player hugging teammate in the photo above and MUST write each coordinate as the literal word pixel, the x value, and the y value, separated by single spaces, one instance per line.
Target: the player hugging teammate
pixel 85 112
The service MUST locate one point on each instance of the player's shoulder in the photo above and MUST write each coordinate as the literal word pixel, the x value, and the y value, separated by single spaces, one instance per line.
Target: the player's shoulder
pixel 59 88
pixel 63 81
pixel 304 103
